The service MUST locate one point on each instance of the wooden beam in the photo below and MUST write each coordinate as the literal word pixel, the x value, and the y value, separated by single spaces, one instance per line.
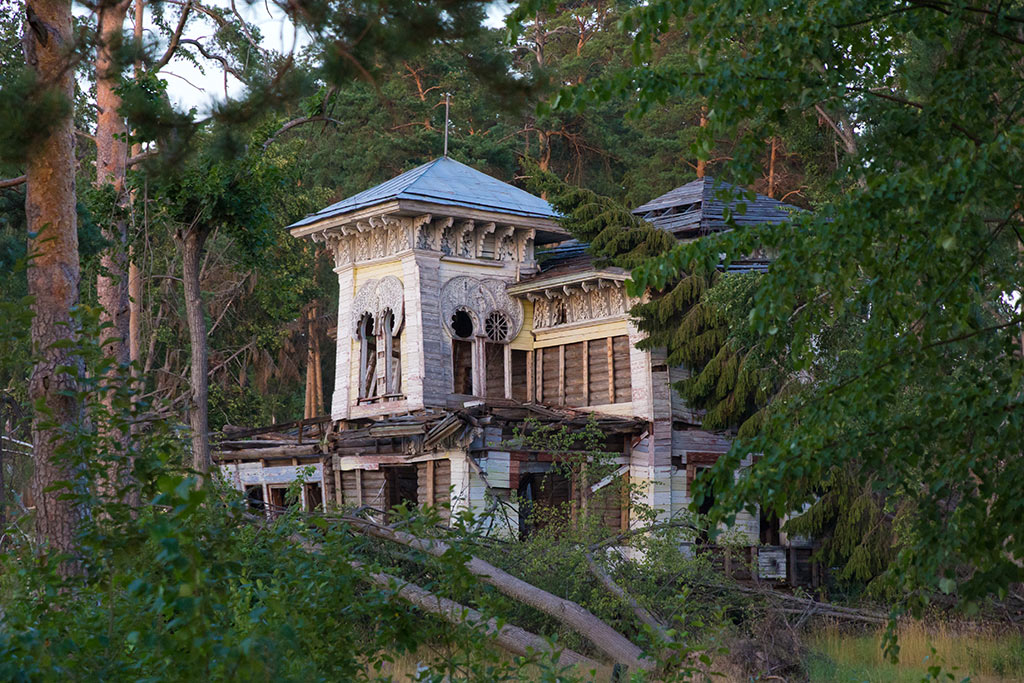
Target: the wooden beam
pixel 586 372
pixel 337 489
pixel 561 374
pixel 359 487
pixel 430 482
pixel 531 376
pixel 540 376
pixel 507 350
pixel 611 370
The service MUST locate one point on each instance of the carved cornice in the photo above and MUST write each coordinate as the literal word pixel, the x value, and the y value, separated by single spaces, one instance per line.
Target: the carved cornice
pixel 589 300
pixel 380 236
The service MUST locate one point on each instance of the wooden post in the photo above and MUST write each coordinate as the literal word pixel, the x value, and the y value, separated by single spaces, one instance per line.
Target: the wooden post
pixel 561 375
pixel 508 371
pixel 540 375
pixel 791 566
pixel 586 372
pixel 337 488
pixel 430 482
pixel 624 508
pixel 359 487
pixel 531 376
pixel 611 370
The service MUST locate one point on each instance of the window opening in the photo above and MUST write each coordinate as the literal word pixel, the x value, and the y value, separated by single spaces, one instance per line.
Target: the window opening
pixel 494 361
pixel 496 327
pixel 400 486
pixel 770 528
pixel 520 369
pixel 462 367
pixel 367 357
pixel 254 496
pixel 314 496
pixel 462 353
pixel 392 355
pixel 462 325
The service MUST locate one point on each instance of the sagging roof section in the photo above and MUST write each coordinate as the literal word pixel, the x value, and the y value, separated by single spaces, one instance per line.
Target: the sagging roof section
pixel 446 182
pixel 698 208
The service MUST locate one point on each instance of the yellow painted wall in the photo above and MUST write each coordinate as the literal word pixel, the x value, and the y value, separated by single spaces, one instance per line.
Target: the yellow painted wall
pixel 569 335
pixel 524 340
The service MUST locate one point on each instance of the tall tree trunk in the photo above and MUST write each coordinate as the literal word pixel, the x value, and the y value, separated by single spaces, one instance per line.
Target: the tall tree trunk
pixel 134 274
pixel 191 241
pixel 53 274
pixel 702 164
pixel 111 156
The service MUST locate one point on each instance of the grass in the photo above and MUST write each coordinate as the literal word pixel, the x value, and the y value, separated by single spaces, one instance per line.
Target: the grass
pixel 984 656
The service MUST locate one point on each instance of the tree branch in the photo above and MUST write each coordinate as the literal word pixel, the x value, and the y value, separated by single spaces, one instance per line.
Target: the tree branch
pixel 298 122
pixel 172 46
pixel 13 182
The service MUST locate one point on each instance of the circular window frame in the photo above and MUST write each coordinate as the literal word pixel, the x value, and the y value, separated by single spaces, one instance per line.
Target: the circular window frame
pixel 503 324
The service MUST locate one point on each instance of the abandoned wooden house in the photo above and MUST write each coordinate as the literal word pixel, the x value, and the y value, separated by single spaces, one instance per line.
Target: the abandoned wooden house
pixel 465 308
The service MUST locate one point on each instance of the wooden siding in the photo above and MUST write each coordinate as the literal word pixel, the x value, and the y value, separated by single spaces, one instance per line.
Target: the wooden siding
pixel 577 374
pixel 621 373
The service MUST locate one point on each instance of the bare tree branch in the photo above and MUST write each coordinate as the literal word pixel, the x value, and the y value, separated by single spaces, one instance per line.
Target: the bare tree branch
pixel 13 182
pixel 298 122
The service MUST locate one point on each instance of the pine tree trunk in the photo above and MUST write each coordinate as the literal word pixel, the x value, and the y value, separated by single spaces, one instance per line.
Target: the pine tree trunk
pixel 53 274
pixel 111 155
pixel 191 241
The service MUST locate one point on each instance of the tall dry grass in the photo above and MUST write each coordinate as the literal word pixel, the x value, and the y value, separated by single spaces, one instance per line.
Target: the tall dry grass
pixel 986 654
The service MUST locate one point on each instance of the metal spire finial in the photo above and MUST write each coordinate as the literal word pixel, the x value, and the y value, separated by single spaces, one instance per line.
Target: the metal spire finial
pixel 446 98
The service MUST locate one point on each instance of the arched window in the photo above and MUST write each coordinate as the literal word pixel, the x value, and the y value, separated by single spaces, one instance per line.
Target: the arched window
pixel 367 357
pixel 462 352
pixel 496 351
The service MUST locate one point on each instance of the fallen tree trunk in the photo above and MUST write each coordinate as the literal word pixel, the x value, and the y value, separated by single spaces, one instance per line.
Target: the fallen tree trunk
pixel 516 640
pixel 609 641
pixel 642 613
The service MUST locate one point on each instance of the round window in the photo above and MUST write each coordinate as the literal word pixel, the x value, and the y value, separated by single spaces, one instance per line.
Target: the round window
pixel 496 326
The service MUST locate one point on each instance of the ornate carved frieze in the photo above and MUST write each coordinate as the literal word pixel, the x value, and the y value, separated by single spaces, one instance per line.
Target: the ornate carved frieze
pixel 480 298
pixel 381 236
pixel 579 303
pixel 375 297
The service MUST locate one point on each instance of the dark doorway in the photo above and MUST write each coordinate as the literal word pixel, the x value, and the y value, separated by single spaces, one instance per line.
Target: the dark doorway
pixel 540 496
pixel 400 486
pixel 770 529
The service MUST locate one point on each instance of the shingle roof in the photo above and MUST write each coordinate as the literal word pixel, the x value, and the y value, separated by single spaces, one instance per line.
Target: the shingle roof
pixel 447 182
pixel 696 208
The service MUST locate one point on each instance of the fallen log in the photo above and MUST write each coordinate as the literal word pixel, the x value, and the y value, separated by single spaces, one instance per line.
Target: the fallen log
pixel 642 613
pixel 516 640
pixel 613 644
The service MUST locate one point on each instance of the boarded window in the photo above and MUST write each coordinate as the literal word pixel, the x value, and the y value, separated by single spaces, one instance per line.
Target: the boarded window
pixel 462 366
pixel 551 376
pixel 494 359
pixel 598 371
pixel 519 374
pixel 575 388
pixel 623 380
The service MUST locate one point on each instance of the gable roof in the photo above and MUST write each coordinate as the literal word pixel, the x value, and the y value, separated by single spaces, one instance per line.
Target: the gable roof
pixel 697 208
pixel 446 182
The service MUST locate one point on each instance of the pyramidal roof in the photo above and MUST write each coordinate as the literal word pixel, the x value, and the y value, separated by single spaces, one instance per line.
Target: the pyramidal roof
pixel 699 207
pixel 447 182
